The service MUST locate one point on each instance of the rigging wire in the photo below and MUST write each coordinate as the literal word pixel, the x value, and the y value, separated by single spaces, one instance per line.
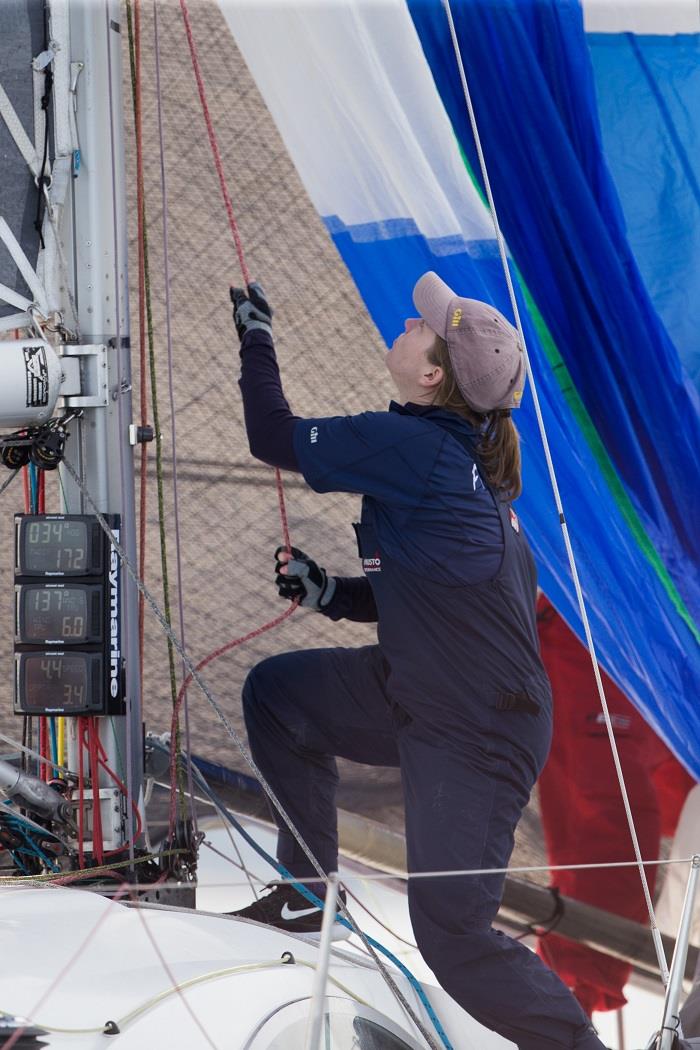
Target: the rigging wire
pixel 233 226
pixel 35 754
pixel 267 788
pixel 171 393
pixel 134 31
pixel 177 988
pixel 134 696
pixel 16 1036
pixel 6 484
pixel 230 860
pixel 656 935
pixel 371 945
pixel 255 633
pixel 143 403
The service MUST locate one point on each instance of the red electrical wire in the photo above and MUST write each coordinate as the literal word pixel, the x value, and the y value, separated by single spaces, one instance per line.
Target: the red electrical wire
pixel 97 838
pixel 122 787
pixel 43 738
pixel 81 795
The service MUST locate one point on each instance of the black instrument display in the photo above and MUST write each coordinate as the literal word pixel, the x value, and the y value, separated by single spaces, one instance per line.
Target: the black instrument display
pixel 68 610
pixel 58 545
pixel 69 614
pixel 58 682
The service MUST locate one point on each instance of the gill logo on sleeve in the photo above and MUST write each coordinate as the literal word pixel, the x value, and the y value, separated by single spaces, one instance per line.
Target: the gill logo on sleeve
pixel 313 435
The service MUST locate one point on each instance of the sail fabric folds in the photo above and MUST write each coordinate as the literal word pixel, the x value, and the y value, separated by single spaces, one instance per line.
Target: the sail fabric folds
pixel 657 173
pixel 372 121
pixel 533 91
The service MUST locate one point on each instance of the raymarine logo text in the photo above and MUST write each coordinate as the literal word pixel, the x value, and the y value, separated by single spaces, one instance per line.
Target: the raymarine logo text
pixel 114 653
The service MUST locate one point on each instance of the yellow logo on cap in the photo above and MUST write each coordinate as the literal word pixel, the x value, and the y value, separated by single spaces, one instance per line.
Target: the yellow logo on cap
pixel 517 395
pixel 456 318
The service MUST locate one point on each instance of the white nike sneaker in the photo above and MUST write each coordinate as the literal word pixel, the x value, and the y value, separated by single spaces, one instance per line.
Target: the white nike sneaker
pixel 286 908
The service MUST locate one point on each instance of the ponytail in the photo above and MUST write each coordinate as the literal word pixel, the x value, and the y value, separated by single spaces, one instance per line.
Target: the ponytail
pixel 499 445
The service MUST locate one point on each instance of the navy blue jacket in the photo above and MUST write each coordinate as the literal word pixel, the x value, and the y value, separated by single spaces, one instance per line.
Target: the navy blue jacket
pixel 448 572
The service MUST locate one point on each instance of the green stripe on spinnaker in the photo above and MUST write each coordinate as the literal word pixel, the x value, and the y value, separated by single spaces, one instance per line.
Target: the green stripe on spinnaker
pixel 588 429
pixel 605 464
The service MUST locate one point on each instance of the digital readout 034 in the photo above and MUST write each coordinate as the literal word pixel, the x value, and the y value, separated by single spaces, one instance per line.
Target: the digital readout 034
pixel 58 545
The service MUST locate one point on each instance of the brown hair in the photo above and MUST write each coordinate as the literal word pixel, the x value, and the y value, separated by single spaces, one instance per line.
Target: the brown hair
pixel 499 447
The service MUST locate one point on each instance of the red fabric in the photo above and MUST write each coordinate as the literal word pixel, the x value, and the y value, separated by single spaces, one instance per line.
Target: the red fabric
pixel 582 811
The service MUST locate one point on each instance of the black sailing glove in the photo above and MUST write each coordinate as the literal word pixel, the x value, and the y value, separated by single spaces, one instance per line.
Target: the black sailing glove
pixel 252 310
pixel 304 580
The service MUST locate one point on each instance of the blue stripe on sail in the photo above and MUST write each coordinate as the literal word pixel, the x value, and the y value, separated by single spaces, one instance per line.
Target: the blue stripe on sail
pixel 390 229
pixel 384 266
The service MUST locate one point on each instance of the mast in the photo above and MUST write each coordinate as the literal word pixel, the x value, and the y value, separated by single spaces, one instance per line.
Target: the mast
pixel 95 238
pixel 67 388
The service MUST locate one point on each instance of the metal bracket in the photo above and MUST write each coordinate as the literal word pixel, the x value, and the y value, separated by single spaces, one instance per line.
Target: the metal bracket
pixel 93 374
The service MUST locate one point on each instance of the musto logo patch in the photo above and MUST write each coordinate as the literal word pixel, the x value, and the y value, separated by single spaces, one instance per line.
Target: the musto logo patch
pixel 373 564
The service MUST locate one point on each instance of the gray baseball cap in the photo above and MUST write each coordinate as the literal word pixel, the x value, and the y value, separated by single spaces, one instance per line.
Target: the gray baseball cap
pixel 485 349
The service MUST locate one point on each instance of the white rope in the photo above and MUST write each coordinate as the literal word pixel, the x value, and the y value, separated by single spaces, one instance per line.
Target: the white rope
pixel 656 935
pixel 24 266
pixel 19 135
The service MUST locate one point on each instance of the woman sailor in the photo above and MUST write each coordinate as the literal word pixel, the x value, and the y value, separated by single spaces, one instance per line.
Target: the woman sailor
pixel 454 692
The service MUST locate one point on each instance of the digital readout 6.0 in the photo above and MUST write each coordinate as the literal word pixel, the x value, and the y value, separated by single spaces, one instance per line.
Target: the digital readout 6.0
pixel 55 613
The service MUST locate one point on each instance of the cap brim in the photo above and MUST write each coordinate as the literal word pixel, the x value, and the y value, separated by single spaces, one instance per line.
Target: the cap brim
pixel 432 298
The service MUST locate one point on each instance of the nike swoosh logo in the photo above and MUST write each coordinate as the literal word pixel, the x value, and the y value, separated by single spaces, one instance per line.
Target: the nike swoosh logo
pixel 288 914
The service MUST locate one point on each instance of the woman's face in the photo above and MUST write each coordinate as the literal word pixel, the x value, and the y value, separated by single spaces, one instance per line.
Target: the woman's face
pixel 413 374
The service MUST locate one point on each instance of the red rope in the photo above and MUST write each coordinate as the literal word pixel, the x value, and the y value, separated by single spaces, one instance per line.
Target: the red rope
pixel 214 143
pixel 233 226
pixel 188 681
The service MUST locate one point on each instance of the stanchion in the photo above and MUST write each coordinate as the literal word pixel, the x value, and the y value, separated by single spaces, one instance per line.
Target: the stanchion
pixel 671 1025
pixel 318 994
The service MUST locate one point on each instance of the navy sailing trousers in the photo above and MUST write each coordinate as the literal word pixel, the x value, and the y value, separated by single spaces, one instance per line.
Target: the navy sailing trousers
pixel 303 709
